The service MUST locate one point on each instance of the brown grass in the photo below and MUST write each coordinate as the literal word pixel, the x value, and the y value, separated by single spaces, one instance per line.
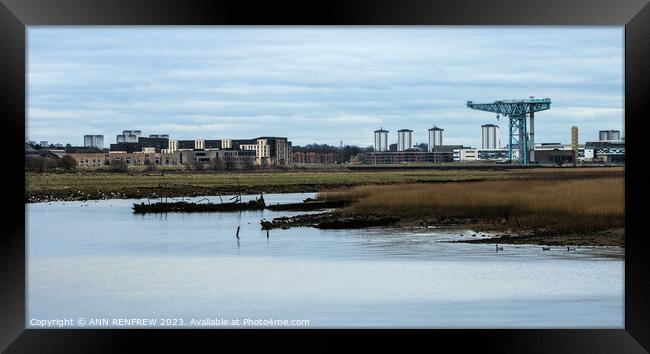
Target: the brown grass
pixel 582 204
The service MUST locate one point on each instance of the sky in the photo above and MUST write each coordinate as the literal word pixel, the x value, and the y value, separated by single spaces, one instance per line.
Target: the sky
pixel 318 84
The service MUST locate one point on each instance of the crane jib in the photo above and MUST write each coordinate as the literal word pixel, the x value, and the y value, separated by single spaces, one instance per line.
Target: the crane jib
pixel 517 111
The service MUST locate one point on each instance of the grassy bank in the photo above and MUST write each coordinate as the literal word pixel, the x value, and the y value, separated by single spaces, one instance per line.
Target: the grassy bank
pixel 567 205
pixel 100 185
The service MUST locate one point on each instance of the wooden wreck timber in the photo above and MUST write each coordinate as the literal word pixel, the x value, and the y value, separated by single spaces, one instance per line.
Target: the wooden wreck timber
pixel 258 204
pixel 197 207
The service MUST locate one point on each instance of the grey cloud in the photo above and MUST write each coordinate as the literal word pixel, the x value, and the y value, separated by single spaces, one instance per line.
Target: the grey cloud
pixel 316 84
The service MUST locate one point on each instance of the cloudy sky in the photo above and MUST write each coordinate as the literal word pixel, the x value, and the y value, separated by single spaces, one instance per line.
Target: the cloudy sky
pixel 318 84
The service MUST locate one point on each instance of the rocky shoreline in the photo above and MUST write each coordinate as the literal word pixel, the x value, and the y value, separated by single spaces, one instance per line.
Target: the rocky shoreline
pixel 610 237
pixel 327 220
pixel 502 234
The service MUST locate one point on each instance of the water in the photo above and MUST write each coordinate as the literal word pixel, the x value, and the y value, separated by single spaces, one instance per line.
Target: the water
pixel 97 261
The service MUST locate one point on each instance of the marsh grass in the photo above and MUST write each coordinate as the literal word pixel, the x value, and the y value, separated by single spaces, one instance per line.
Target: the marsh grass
pixel 139 184
pixel 582 204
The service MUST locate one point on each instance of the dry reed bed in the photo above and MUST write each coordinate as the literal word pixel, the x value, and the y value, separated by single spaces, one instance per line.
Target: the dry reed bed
pixel 584 204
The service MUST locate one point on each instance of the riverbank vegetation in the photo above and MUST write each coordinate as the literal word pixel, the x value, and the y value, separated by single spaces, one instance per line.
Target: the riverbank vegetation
pixel 101 185
pixel 567 204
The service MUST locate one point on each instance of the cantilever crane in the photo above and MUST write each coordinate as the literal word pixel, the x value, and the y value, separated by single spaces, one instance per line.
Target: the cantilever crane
pixel 516 111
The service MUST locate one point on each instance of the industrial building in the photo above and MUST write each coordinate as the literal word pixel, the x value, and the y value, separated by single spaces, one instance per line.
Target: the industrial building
pixel 607 151
pixel 556 157
pixel 94 141
pixel 381 140
pixel 449 148
pixel 556 153
pixel 490 136
pixel 469 155
pixel 435 138
pixel 404 141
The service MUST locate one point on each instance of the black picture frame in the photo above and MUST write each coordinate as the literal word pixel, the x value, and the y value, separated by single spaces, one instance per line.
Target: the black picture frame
pixel 16 15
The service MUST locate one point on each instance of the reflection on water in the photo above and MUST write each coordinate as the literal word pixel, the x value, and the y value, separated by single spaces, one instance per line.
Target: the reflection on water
pixel 98 259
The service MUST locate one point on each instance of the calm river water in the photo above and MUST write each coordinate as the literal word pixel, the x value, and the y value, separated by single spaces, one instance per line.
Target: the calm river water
pixel 99 265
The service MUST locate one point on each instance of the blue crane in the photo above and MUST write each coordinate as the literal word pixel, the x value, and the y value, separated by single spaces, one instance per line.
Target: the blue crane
pixel 517 111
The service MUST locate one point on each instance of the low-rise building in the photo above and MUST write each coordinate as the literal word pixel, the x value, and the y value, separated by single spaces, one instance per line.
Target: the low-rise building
pixel 388 158
pixel 32 153
pixel 492 154
pixel 448 148
pixel 469 154
pixel 144 158
pixel 465 154
pixel 605 151
pixel 90 159
pixel 315 157
pixel 555 156
pixel 134 158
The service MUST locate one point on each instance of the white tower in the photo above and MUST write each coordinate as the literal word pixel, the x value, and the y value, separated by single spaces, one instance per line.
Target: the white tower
pixel 491 137
pixel 96 141
pixel 435 138
pixel 381 140
pixel 404 139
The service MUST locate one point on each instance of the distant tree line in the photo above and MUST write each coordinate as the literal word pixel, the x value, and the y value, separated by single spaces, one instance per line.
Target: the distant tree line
pixel 346 153
pixel 219 164
pixel 46 163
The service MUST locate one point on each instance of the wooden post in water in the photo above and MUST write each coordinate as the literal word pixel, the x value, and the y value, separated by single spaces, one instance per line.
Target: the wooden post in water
pixel 237 234
pixel 267 233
